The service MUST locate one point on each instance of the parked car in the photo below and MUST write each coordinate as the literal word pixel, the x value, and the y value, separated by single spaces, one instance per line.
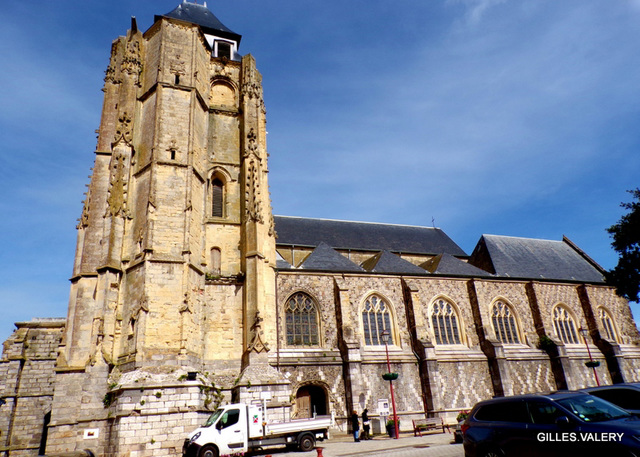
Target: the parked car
pixel 626 395
pixel 558 424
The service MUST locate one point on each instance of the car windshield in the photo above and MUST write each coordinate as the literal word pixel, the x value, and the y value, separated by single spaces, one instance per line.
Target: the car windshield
pixel 213 418
pixel 593 409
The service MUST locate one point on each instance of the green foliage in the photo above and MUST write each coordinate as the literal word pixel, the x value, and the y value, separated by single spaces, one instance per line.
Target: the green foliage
pixel 625 277
pixel 107 399
pixel 213 396
pixel 462 415
pixel 158 394
pixel 390 423
pixel 142 402
pixel 545 343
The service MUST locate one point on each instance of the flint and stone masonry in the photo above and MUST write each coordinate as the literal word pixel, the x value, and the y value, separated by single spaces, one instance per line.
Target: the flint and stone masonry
pixel 187 292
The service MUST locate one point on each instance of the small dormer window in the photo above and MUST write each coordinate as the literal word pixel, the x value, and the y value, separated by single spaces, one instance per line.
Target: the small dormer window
pixel 223 50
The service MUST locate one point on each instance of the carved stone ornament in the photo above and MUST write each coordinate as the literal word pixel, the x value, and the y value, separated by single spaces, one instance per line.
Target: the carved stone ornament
pixel 220 69
pixel 117 196
pixel 252 90
pixel 131 62
pixel 142 306
pixel 110 74
pixel 272 226
pixel 123 130
pixel 84 217
pixel 253 204
pixel 140 240
pixel 178 67
pixel 257 345
pixel 251 145
pixel 173 149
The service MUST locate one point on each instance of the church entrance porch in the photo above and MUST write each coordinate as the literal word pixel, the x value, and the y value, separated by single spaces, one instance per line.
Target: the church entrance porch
pixel 311 400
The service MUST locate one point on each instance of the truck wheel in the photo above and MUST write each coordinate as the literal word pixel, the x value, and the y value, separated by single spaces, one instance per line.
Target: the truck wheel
pixel 306 443
pixel 209 450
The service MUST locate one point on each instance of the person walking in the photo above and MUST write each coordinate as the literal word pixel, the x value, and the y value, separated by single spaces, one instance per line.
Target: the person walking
pixel 355 426
pixel 366 426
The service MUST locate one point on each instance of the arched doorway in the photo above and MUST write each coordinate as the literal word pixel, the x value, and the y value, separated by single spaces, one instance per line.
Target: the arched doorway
pixel 311 400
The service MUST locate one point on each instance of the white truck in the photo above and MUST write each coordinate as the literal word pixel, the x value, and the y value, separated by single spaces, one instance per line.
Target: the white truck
pixel 238 428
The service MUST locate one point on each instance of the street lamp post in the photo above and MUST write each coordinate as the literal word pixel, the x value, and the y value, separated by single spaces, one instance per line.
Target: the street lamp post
pixel 584 332
pixel 385 336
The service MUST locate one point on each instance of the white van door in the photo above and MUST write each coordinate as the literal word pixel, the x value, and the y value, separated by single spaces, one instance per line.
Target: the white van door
pixel 231 428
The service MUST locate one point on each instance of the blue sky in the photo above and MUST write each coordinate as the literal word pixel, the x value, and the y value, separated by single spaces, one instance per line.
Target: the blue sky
pixel 479 116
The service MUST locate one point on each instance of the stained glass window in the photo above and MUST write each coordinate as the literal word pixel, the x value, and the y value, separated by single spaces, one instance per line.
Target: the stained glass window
pixel 564 325
pixel 301 320
pixel 607 324
pixel 504 323
pixel 376 318
pixel 445 323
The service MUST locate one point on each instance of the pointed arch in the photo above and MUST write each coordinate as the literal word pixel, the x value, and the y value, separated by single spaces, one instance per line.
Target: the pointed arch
pixel 444 318
pixel 302 320
pixel 564 324
pixel 505 323
pixel 217 182
pixel 377 316
pixel 604 316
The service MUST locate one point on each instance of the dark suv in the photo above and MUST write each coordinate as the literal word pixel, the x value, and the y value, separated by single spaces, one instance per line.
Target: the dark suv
pixel 558 424
pixel 626 396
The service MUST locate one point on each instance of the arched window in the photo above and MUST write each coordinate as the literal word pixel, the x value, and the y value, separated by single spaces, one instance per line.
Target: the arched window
pixel 445 323
pixel 222 94
pixel 215 260
pixel 302 320
pixel 217 197
pixel 376 318
pixel 564 325
pixel 504 323
pixel 607 324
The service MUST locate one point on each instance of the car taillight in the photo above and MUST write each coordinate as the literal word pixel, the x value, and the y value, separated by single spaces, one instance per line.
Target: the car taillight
pixel 464 427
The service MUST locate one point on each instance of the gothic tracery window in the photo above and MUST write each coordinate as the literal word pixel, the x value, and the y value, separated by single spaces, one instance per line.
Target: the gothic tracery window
pixel 301 320
pixel 607 324
pixel 444 320
pixel 504 323
pixel 564 325
pixel 376 318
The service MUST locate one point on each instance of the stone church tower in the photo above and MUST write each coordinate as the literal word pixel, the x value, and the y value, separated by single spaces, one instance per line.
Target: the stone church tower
pixel 182 298
pixel 174 266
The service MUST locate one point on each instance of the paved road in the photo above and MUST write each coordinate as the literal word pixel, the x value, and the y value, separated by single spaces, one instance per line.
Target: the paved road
pixel 430 445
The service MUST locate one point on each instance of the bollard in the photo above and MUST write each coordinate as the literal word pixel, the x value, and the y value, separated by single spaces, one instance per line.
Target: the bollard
pixel 319 451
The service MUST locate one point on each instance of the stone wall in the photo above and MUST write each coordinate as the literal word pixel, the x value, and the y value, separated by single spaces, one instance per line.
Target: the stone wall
pixel 27 384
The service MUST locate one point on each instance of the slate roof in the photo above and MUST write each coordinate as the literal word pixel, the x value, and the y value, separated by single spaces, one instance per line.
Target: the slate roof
pixel 527 258
pixel 446 264
pixel 324 258
pixel 200 15
pixel 363 236
pixel 386 262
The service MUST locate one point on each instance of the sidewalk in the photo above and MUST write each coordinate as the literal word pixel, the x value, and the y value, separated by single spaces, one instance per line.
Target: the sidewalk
pixel 432 444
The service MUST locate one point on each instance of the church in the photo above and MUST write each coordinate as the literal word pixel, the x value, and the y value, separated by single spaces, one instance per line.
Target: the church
pixel 187 292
